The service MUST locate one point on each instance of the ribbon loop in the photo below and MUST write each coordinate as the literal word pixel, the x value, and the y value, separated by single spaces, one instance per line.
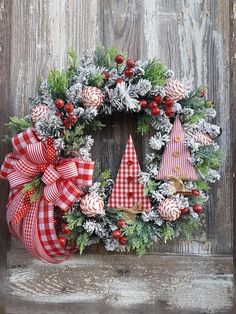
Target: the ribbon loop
pixel 50 175
pixel 68 169
pixel 25 167
pixel 31 221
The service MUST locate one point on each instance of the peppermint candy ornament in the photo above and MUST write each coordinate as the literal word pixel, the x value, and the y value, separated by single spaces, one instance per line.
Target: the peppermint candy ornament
pixel 39 112
pixel 175 90
pixel 168 210
pixel 92 205
pixel 200 137
pixel 92 97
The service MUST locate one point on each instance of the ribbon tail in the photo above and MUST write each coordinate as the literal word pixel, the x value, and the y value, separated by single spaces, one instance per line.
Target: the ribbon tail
pixel 47 243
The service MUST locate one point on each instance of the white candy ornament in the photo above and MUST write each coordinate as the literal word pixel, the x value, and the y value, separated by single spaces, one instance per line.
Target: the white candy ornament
pixel 169 210
pixel 175 90
pixel 39 112
pixel 92 97
pixel 200 137
pixel 92 205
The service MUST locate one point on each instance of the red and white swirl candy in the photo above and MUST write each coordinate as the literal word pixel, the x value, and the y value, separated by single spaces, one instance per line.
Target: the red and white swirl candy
pixel 200 137
pixel 175 90
pixel 39 112
pixel 92 205
pixel 168 210
pixel 92 97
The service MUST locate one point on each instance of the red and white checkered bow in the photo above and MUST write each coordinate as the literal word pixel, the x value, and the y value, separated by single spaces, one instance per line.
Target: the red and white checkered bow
pixel 62 181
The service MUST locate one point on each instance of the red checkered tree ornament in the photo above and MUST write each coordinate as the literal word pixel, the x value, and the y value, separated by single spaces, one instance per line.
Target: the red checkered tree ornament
pixel 128 192
pixel 56 204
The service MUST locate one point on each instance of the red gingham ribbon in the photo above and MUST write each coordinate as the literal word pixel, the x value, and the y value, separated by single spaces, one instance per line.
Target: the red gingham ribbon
pixel 33 222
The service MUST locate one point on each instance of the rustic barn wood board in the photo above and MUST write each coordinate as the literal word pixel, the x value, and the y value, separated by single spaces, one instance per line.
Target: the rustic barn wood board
pixel 120 284
pixel 5 34
pixel 192 37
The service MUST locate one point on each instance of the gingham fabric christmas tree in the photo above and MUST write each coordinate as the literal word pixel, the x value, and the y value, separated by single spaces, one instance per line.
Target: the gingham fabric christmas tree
pixel 175 161
pixel 128 192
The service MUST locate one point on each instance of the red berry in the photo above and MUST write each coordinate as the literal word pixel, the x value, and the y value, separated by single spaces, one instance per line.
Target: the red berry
pixel 59 103
pixel 152 104
pixel 59 114
pixel 169 103
pixel 123 240
pixel 120 223
pixel 116 234
pixel 73 118
pixel 130 63
pixel 120 80
pixel 105 75
pixel 67 123
pixel 157 99
pixel 195 192
pixel 197 208
pixel 119 59
pixel 62 241
pixel 156 111
pixel 65 229
pixel 143 103
pixel 69 108
pixel 55 221
pixel 128 72
pixel 185 211
pixel 169 112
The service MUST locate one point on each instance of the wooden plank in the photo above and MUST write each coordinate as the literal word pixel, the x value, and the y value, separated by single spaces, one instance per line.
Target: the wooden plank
pixel 5 33
pixel 233 115
pixel 42 34
pixel 191 37
pixel 119 27
pixel 120 284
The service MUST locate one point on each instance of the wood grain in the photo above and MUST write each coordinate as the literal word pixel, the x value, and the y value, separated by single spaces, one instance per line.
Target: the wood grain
pixel 94 284
pixel 182 34
pixel 123 32
pixel 42 34
pixel 5 33
pixel 191 37
pixel 233 117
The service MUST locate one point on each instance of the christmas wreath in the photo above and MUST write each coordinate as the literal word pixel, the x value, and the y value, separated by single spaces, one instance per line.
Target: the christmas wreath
pixel 60 201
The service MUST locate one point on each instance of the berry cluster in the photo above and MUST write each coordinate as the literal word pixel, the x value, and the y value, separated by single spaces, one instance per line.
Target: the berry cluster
pixel 117 233
pixel 154 104
pixel 62 230
pixel 197 208
pixel 65 112
pixel 128 69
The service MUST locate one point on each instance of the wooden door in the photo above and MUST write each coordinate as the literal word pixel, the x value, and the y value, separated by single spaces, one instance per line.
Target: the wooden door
pixel 195 39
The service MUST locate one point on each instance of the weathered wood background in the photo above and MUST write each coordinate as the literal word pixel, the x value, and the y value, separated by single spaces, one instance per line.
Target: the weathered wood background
pixel 193 37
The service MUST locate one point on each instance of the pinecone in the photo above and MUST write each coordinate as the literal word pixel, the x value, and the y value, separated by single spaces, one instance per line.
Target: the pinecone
pixel 92 97
pixel 200 137
pixel 168 210
pixel 39 112
pixel 175 90
pixel 92 205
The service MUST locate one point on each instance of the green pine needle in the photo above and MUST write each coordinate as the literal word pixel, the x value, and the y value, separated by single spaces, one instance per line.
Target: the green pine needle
pixel 97 125
pixel 16 125
pixel 190 227
pixel 58 83
pixel 82 241
pixel 96 80
pixel 143 125
pixel 155 72
pixel 139 234
pixel 167 232
pixel 106 57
